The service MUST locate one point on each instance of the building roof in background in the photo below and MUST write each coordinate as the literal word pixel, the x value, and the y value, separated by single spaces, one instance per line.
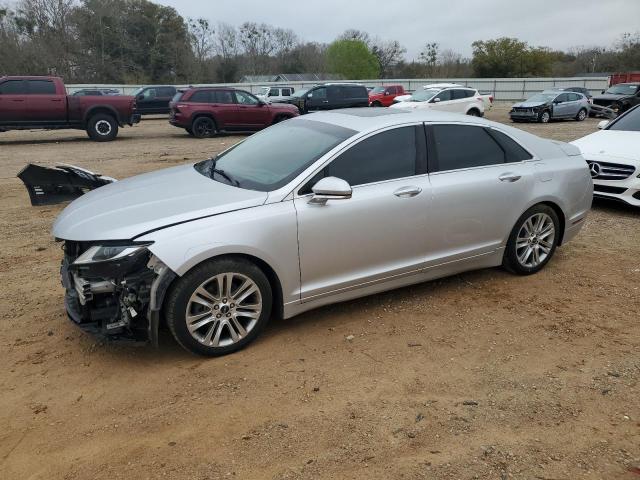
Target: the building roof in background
pixel 290 77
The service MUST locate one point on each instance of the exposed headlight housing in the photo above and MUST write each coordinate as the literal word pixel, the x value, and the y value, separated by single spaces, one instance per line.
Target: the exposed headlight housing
pixel 107 253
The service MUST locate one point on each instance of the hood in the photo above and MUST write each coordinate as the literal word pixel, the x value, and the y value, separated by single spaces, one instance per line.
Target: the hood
pixel 612 144
pixel 610 97
pixel 529 104
pixel 125 209
pixel 283 107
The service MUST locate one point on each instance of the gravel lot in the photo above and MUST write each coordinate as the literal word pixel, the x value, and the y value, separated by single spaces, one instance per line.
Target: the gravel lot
pixel 482 375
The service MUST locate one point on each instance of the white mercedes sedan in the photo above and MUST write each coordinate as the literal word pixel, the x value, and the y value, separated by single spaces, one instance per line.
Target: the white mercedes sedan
pixel 613 155
pixel 315 210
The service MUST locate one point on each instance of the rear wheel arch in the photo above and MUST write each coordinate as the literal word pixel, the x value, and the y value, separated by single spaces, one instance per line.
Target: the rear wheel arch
pixel 101 109
pixel 197 115
pixel 561 217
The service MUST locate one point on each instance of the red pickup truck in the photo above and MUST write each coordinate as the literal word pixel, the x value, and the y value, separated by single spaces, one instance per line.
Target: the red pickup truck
pixel 42 102
pixel 383 96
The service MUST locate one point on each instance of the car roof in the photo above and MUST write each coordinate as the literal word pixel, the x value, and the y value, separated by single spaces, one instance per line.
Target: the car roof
pixel 443 85
pixel 369 119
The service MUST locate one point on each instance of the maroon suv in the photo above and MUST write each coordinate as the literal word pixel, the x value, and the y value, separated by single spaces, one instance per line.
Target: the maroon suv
pixel 205 111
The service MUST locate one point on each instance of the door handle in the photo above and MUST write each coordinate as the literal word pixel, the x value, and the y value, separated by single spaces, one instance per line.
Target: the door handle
pixel 17 99
pixel 56 99
pixel 405 192
pixel 509 177
pixel 325 101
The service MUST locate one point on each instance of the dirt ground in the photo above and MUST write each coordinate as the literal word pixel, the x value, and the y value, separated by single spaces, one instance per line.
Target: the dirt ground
pixel 480 376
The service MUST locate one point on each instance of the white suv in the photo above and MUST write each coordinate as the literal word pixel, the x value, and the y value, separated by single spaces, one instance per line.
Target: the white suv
pixel 269 94
pixel 455 99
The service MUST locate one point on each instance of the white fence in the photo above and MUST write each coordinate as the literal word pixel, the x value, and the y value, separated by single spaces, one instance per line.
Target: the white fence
pixel 505 89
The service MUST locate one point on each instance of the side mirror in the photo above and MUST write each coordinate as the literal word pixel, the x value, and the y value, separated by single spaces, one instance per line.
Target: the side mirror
pixel 436 100
pixel 330 188
pixel 602 124
pixel 602 92
pixel 309 95
pixel 387 92
pixel 261 103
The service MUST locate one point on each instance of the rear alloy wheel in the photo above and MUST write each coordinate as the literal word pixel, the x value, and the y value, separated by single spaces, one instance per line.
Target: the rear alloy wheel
pixel 219 306
pixel 102 127
pixel 203 127
pixel 544 117
pixel 533 240
pixel 582 115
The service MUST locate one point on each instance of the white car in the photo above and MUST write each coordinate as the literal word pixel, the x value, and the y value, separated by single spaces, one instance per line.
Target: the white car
pixel 613 155
pixel 404 98
pixel 269 94
pixel 454 99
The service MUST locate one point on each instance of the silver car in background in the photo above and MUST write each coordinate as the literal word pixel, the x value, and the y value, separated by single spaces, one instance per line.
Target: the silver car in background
pixel 551 105
pixel 315 210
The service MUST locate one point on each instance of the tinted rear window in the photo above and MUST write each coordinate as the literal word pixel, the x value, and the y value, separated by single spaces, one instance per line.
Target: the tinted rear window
pixel 42 87
pixel 512 150
pixel 201 96
pixel 463 146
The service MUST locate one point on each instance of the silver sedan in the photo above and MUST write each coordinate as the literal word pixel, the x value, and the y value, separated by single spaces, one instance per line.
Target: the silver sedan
pixel 315 210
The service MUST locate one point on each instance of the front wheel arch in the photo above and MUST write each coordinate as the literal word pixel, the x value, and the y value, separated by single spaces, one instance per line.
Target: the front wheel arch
pixel 272 276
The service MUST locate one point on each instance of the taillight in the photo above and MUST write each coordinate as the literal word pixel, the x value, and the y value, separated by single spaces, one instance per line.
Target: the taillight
pixel 490 98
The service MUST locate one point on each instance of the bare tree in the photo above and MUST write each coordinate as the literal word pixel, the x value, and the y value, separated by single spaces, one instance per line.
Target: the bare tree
pixel 388 53
pixel 429 56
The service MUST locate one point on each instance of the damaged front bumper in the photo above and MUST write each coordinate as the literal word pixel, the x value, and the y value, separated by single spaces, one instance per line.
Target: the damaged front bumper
pixel 118 300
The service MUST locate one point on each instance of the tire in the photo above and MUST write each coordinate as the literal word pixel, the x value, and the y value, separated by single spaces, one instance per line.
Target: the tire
pixel 582 115
pixel 229 325
pixel 544 116
pixel 531 244
pixel 474 112
pixel 189 131
pixel 204 127
pixel 376 104
pixel 102 127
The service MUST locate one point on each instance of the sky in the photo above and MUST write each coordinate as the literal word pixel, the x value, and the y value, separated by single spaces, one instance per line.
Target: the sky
pixel 454 24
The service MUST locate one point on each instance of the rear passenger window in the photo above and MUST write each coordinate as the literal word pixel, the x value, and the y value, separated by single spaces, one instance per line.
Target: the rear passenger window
pixel 222 96
pixel 458 94
pixel 574 97
pixel 286 92
pixel 200 97
pixel 357 92
pixel 42 87
pixel 463 146
pixel 385 156
pixel 512 150
pixel 13 87
pixel 166 92
pixel 274 92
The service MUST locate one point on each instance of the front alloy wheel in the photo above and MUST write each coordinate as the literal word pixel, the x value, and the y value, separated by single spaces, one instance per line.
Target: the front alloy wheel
pixel 545 117
pixel 533 240
pixel 219 306
pixel 223 309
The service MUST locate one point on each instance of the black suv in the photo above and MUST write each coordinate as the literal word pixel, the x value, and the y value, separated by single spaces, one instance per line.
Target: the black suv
pixel 329 96
pixel 153 100
pixel 620 97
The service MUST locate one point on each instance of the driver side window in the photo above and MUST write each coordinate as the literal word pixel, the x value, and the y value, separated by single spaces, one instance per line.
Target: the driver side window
pixel 319 93
pixel 443 96
pixel 385 156
pixel 243 98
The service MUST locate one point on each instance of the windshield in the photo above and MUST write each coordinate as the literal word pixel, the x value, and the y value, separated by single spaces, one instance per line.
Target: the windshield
pixel 424 95
pixel 629 122
pixel 137 91
pixel 300 93
pixel 378 90
pixel 270 159
pixel 542 97
pixel 622 90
